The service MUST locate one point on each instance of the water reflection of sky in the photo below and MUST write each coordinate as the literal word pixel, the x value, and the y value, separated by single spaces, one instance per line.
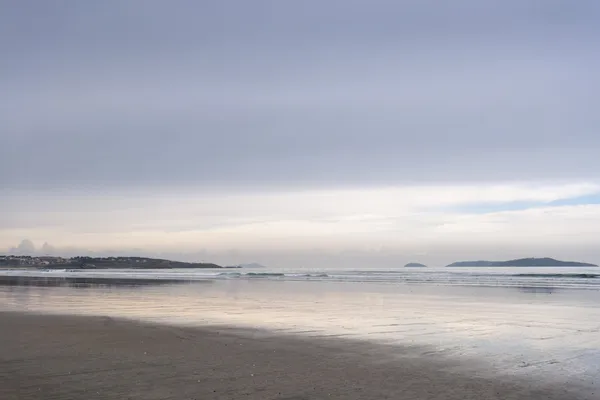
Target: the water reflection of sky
pixel 516 331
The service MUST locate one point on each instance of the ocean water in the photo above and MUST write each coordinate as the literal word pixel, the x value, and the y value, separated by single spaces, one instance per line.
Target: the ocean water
pixel 535 277
pixel 530 322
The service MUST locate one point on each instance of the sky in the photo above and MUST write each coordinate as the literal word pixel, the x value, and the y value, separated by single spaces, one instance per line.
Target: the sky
pixel 313 133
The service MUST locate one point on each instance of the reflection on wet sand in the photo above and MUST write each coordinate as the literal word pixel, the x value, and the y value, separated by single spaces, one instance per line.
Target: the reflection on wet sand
pixel 516 331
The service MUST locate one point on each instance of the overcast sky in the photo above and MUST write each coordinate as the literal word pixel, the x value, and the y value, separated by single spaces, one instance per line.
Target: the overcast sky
pixel 299 133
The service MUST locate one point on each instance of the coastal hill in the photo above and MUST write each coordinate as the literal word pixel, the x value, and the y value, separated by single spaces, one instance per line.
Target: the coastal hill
pixel 522 262
pixel 415 265
pixel 97 263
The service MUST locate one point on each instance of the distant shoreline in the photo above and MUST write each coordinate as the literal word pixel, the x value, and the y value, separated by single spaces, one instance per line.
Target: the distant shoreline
pixel 83 262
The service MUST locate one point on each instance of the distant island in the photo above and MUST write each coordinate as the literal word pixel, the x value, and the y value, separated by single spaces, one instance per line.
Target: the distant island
pixel 48 262
pixel 415 265
pixel 522 262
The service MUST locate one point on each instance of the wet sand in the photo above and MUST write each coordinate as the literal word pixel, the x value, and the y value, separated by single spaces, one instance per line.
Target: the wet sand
pixel 74 357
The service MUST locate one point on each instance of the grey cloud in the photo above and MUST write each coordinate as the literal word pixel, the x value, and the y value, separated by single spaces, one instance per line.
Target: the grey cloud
pixel 131 93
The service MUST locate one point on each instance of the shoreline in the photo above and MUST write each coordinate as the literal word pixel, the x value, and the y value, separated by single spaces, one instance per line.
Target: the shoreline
pixel 62 357
pixel 83 281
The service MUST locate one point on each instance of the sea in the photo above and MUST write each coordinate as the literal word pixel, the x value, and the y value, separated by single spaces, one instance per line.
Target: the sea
pixel 540 323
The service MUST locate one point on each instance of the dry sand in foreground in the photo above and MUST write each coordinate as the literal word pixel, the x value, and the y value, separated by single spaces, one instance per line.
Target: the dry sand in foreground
pixel 66 357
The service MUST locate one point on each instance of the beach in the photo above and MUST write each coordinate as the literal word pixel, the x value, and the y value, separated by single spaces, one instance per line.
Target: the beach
pixel 85 357
pixel 154 335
